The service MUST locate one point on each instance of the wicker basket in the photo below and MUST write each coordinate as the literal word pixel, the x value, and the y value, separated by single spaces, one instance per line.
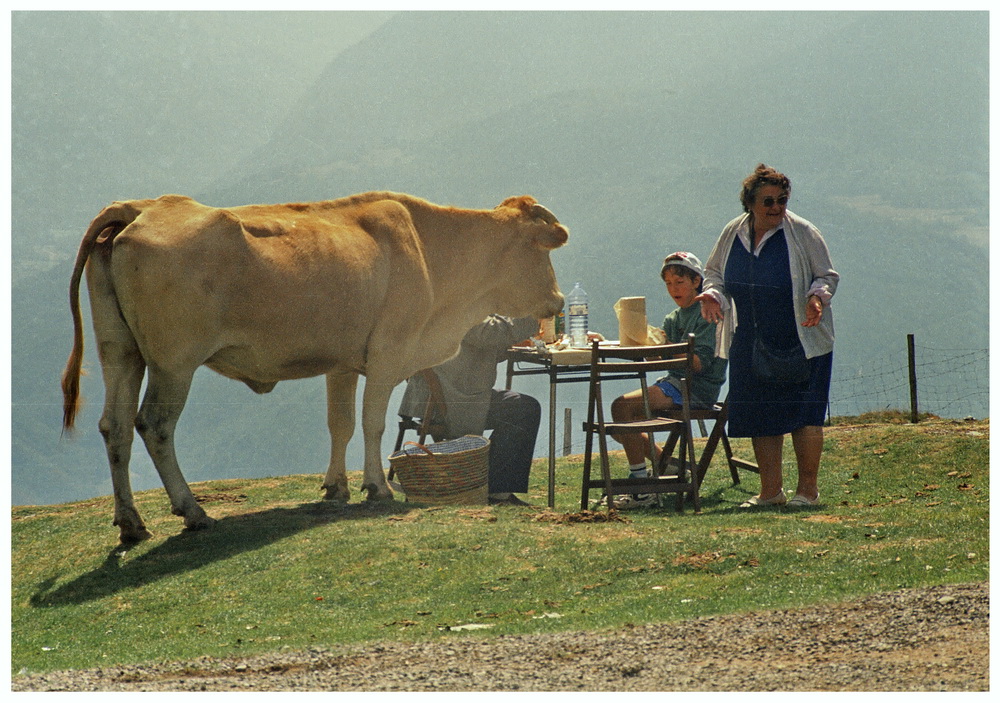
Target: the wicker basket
pixel 455 472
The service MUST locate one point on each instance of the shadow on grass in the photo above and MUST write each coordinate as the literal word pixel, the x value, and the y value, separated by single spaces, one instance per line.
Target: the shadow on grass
pixel 190 550
pixel 713 502
pixel 721 501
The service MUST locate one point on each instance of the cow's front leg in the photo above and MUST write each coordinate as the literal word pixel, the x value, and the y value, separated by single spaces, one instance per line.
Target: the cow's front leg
pixel 376 403
pixel 340 393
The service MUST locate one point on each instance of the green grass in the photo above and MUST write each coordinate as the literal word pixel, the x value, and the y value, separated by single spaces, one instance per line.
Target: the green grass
pixel 904 505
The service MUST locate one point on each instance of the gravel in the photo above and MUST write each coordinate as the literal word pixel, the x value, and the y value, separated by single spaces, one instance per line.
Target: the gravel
pixel 927 639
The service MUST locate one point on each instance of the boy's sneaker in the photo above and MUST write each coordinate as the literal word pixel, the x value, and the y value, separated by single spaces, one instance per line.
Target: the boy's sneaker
pixel 631 502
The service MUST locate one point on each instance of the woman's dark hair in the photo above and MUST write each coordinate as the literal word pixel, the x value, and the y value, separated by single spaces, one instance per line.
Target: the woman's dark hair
pixel 762 176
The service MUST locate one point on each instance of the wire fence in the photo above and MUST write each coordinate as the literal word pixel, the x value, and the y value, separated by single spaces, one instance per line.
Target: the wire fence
pixel 951 383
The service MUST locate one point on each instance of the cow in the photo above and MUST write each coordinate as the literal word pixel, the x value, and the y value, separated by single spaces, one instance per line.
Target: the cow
pixel 381 284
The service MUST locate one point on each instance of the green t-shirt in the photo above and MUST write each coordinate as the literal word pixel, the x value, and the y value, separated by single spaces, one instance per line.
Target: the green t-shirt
pixel 677 325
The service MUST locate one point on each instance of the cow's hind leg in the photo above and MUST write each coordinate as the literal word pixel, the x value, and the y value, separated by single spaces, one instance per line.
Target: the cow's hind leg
pixel 340 396
pixel 376 402
pixel 123 370
pixel 122 366
pixel 166 394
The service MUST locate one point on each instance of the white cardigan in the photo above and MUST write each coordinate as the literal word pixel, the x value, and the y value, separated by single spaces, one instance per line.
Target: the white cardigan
pixel 812 274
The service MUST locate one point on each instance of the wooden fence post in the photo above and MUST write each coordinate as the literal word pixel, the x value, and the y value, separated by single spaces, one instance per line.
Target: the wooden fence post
pixel 913 377
pixel 567 431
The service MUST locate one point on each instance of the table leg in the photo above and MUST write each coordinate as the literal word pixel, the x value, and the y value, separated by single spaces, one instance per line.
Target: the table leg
pixel 552 440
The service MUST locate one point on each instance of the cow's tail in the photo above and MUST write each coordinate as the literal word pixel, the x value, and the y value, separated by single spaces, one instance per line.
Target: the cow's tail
pixel 112 220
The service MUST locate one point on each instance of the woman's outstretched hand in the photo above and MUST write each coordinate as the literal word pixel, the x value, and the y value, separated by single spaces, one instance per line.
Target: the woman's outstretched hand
pixel 710 308
pixel 814 311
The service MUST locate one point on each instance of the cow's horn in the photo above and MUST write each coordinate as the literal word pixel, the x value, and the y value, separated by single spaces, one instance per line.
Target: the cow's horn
pixel 544 214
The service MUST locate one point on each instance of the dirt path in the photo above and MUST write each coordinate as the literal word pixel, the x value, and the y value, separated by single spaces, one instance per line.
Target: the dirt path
pixel 930 639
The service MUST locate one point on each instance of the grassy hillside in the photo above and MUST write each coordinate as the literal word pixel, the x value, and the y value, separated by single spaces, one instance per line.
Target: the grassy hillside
pixel 904 505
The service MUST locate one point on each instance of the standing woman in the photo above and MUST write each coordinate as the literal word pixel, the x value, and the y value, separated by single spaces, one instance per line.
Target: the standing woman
pixel 769 281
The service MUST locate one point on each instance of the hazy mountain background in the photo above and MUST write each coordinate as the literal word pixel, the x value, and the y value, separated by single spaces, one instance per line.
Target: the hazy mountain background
pixel 634 128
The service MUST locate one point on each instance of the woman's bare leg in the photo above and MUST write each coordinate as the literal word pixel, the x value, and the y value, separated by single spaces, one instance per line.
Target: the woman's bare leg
pixel 808 443
pixel 767 451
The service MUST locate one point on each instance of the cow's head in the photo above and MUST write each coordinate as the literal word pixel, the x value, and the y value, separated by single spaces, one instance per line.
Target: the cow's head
pixel 526 280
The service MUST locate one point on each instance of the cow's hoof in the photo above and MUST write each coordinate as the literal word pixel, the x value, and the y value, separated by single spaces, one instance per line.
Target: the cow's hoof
pixel 198 523
pixel 337 494
pixel 134 535
pixel 376 495
pixel 131 528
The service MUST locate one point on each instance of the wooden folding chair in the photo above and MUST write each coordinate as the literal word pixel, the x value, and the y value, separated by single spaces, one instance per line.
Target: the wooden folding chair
pixel 615 363
pixel 717 414
pixel 430 422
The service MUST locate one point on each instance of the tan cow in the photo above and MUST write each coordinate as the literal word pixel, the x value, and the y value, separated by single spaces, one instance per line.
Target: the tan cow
pixel 380 284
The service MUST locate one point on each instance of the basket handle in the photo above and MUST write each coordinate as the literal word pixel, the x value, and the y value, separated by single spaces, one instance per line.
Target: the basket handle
pixel 424 447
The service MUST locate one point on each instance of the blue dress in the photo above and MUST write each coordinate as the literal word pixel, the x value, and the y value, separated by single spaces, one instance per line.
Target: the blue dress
pixel 764 284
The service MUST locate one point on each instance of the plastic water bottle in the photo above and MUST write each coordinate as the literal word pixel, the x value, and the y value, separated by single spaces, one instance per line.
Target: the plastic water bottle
pixel 578 311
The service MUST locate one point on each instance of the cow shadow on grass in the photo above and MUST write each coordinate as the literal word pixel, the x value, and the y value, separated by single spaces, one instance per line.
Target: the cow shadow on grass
pixel 191 550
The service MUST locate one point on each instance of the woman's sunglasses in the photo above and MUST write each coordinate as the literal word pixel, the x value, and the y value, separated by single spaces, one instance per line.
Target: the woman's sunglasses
pixel 769 201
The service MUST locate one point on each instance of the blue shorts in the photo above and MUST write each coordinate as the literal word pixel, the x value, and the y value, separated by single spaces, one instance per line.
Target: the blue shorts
pixel 670 390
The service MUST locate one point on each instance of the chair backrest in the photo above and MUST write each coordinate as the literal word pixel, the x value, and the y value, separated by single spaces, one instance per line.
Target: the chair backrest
pixel 608 362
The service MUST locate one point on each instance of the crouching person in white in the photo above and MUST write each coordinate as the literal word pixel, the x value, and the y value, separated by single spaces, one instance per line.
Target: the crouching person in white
pixel 473 405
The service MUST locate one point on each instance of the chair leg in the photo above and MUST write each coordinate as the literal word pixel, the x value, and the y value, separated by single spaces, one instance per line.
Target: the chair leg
pixel 668 452
pixel 691 466
pixel 695 475
pixel 729 459
pixel 399 436
pixel 711 444
pixel 734 464
pixel 399 443
pixel 679 440
pixel 587 460
pixel 602 440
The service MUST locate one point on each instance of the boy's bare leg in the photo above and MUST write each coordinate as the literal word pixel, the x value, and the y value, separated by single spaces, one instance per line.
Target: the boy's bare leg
pixel 629 408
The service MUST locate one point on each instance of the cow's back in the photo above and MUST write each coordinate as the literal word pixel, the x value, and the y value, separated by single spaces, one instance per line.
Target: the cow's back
pixel 266 292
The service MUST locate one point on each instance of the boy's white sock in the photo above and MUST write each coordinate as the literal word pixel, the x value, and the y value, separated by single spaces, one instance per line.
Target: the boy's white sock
pixel 638 470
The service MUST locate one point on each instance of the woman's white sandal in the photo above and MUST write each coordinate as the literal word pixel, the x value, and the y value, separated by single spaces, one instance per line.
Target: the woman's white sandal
pixel 800 501
pixel 778 498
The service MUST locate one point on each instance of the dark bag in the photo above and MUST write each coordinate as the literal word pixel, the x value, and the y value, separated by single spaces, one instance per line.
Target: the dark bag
pixel 772 365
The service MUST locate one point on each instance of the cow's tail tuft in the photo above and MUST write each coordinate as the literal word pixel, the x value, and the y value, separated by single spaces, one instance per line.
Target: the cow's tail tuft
pixel 112 220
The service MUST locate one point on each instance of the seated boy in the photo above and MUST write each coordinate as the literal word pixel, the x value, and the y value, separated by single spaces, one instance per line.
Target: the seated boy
pixel 682 273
